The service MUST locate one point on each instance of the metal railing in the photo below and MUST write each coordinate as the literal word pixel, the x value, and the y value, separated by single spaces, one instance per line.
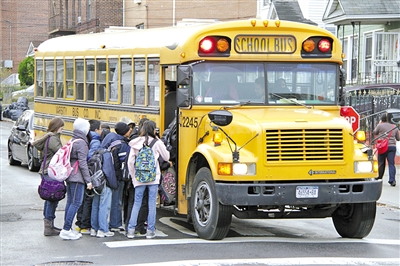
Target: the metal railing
pixel 370 106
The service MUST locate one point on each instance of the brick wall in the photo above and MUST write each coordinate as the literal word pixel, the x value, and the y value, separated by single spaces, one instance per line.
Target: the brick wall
pixel 29 20
pixel 159 13
pixel 104 13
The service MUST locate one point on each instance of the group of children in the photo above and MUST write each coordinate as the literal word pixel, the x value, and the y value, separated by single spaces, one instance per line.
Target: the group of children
pixel 122 202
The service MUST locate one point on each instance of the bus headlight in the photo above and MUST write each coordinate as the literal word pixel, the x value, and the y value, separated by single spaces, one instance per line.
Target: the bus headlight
pixel 236 168
pixel 239 169
pixel 363 167
pixel 244 169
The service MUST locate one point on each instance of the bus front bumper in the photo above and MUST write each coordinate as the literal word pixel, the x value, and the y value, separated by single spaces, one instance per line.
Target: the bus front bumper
pixel 299 193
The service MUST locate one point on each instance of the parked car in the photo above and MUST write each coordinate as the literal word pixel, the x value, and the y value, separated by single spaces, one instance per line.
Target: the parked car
pixel 1 109
pixel 20 149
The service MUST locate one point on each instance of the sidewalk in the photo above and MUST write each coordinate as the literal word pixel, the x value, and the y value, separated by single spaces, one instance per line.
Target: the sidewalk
pixel 391 195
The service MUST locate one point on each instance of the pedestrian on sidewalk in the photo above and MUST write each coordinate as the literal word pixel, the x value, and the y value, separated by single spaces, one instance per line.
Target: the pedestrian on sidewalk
pixel 389 155
pixel 54 129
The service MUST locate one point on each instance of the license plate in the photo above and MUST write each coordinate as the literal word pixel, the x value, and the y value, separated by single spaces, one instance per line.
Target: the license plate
pixel 307 192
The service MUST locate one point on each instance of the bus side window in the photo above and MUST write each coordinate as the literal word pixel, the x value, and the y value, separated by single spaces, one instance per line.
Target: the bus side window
pixel 90 79
pixel 126 81
pixel 60 78
pixel 79 78
pixel 70 77
pixel 101 80
pixel 39 78
pixel 90 92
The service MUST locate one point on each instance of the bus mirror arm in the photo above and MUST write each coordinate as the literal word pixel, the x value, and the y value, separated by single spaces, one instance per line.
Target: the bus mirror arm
pixel 235 152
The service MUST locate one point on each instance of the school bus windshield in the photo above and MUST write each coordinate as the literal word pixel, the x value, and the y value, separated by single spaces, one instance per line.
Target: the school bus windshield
pixel 265 83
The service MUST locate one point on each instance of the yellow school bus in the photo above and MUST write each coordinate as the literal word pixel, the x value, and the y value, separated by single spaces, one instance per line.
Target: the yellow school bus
pixel 257 105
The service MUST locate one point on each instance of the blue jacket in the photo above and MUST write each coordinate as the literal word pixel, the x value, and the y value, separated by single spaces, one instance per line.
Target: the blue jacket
pixel 108 169
pixel 94 143
pixel 118 153
pixel 110 138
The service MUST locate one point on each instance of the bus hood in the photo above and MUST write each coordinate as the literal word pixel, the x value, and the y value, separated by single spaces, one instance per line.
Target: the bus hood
pixel 283 118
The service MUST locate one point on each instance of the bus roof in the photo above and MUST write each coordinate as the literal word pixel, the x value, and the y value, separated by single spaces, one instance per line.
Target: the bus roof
pixel 156 40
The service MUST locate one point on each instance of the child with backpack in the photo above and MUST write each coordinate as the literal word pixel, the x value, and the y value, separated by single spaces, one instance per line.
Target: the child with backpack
pixel 52 137
pixel 145 172
pixel 116 143
pixel 78 180
pixel 83 216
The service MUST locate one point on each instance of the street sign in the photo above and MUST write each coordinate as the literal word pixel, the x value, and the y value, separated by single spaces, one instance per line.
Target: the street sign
pixel 351 116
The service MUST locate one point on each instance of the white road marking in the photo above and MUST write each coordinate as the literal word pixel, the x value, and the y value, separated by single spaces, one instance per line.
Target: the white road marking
pixel 283 261
pixel 150 242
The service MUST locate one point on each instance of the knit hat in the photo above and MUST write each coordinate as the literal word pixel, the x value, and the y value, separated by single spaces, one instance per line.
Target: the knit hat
pixel 82 125
pixel 127 121
pixel 121 128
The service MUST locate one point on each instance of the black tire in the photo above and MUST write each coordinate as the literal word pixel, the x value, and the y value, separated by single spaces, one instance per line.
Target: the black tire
pixel 33 163
pixel 211 219
pixel 354 220
pixel 11 160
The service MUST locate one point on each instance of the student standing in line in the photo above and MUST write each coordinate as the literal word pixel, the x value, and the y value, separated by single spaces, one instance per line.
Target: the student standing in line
pixel 122 132
pixel 79 178
pixel 389 155
pixel 83 216
pixel 140 229
pixel 101 204
pixel 147 134
pixel 54 129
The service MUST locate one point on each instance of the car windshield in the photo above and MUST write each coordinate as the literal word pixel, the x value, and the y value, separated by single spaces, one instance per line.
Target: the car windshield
pixel 265 83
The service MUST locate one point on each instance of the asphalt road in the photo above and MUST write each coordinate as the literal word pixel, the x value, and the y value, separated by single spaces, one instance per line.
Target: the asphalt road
pixel 249 242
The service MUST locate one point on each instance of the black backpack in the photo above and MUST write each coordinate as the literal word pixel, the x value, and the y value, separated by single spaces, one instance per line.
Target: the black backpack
pixel 97 176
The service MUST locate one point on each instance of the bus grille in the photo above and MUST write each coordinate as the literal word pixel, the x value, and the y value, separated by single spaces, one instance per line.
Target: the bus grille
pixel 304 145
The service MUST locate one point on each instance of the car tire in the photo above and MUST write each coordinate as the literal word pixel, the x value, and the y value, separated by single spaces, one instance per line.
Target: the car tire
pixel 33 163
pixel 354 220
pixel 11 160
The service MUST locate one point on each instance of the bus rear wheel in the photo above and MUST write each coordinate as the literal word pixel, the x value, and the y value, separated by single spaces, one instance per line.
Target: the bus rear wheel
pixel 354 220
pixel 211 219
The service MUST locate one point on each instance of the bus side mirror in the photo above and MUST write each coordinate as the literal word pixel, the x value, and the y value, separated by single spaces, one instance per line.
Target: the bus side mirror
pixel 342 77
pixel 220 117
pixel 182 96
pixel 183 84
pixel 183 75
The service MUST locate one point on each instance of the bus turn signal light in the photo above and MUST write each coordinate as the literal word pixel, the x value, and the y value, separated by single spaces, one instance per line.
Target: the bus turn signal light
pixel 224 168
pixel 360 136
pixel 217 139
pixel 308 45
pixel 222 45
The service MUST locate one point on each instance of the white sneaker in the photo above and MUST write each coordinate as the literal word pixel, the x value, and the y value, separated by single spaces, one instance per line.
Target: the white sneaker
pixel 69 235
pixel 93 232
pixel 102 234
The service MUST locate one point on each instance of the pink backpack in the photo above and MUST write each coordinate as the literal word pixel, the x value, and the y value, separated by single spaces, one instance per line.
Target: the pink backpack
pixel 60 165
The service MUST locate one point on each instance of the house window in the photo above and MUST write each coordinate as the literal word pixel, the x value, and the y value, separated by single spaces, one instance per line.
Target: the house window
pixel 368 58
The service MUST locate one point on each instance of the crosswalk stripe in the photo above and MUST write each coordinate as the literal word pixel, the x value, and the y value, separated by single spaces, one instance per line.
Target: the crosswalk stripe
pixel 283 261
pixel 157 241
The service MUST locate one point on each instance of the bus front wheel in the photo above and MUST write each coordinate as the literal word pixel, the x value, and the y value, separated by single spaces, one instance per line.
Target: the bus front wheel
pixel 354 220
pixel 211 219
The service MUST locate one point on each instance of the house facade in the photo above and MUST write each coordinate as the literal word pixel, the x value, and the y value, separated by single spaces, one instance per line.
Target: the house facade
pixel 145 14
pixel 370 35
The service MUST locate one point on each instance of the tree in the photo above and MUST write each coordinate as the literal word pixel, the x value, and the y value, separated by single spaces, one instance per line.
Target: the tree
pixel 26 70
